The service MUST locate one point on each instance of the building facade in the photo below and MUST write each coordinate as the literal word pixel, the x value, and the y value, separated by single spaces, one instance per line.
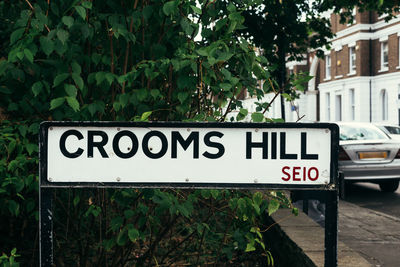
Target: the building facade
pixel 360 75
pixel 357 80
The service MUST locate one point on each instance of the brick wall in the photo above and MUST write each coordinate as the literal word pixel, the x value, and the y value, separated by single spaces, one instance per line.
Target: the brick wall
pixel 339 63
pixel 393 55
pixel 301 68
pixel 376 55
pixel 363 58
pixel 364 17
pixel 393 42
pixel 321 69
pixel 336 25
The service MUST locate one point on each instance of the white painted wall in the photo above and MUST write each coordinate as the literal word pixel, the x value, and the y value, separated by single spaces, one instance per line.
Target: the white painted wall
pixel 361 86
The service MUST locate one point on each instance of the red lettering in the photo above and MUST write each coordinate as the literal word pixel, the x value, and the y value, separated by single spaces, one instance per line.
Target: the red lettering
pixel 285 173
pixel 295 173
pixel 316 174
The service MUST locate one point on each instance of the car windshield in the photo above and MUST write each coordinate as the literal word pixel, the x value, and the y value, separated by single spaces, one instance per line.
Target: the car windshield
pixel 393 129
pixel 348 132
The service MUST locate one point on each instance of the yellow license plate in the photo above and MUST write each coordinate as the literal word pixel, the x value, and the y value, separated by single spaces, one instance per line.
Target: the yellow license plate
pixel 373 155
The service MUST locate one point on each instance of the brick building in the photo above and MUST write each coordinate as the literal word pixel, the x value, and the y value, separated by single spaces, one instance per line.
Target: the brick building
pixel 357 80
pixel 360 75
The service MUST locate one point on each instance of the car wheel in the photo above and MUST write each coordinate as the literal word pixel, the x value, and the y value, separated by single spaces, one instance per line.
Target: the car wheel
pixel 389 186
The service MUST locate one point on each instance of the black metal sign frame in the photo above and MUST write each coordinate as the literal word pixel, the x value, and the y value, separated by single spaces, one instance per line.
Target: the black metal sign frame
pixel 46 187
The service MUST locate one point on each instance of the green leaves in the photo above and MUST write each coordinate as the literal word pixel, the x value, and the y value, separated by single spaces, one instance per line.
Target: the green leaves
pixel 63 64
pixel 76 68
pixel 196 9
pixel 250 247
pixel 62 35
pixel 73 103
pixel 78 80
pixel 182 96
pixel 28 55
pixel 170 7
pixel 186 26
pixel 87 4
pixel 145 116
pixel 242 114
pixel 16 35
pixel 81 11
pixel 47 45
pixel 59 79
pixel 133 234
pixel 70 90
pixel 68 21
pixel 257 117
pixel 55 103
pixel 37 87
pixel 273 206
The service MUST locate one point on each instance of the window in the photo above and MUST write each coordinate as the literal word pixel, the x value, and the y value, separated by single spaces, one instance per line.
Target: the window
pixel 384 104
pixel 398 92
pixel 328 106
pixel 354 132
pixel 384 55
pixel 352 60
pixel 338 108
pixel 392 129
pixel 352 105
pixel 327 67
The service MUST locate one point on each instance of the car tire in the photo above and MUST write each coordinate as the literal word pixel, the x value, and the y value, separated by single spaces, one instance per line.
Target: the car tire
pixel 389 186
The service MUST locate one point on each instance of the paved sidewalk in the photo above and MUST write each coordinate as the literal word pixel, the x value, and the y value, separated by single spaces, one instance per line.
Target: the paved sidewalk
pixel 366 237
pixel 374 235
pixel 309 236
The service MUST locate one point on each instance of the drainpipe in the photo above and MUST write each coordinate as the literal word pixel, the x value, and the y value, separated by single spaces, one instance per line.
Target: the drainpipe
pixel 370 99
pixel 370 69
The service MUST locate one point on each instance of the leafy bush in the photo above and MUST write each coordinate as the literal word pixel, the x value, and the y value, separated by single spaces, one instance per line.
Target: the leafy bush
pixel 126 60
pixel 9 261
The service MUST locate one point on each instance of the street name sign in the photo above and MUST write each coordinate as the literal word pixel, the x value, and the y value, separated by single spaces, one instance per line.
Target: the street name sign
pixel 187 155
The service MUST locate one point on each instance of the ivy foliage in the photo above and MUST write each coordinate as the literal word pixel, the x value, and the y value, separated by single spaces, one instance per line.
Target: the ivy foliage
pixel 126 60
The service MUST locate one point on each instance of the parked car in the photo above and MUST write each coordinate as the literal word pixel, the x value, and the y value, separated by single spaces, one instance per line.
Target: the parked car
pixel 392 130
pixel 366 154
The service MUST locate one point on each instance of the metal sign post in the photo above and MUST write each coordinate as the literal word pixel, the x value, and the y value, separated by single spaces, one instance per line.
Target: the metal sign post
pixel 173 155
pixel 331 228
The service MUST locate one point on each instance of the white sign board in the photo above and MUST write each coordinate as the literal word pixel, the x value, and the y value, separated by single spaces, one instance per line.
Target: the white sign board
pixel 188 153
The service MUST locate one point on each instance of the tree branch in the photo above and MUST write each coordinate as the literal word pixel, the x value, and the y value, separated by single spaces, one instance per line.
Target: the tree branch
pixel 33 9
pixel 275 96
pixel 127 49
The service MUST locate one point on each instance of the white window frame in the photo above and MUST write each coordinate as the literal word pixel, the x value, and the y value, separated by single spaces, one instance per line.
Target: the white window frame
pixel 384 50
pixel 352 60
pixel 328 67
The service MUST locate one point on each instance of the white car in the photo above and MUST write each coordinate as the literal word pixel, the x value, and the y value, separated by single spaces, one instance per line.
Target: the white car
pixel 392 130
pixel 366 154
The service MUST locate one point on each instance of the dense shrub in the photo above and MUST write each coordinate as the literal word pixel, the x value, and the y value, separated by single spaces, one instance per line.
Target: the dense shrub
pixel 126 60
